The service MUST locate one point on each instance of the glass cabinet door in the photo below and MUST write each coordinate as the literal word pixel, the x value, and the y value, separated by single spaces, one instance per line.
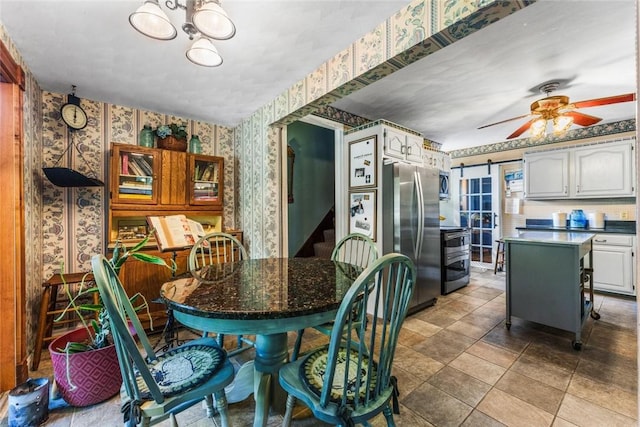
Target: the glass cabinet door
pixel 206 180
pixel 136 181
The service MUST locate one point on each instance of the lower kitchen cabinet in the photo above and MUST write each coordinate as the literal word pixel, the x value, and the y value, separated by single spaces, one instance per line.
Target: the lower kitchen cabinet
pixel 613 264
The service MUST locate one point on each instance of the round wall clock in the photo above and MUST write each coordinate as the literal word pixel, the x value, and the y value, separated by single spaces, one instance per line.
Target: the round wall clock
pixel 72 113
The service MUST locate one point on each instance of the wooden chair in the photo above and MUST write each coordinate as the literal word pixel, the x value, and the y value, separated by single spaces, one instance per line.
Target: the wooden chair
pixel 356 249
pixel 349 381
pixel 156 387
pixel 219 248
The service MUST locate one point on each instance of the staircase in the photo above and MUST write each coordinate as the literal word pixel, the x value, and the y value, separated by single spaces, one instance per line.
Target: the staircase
pixel 323 249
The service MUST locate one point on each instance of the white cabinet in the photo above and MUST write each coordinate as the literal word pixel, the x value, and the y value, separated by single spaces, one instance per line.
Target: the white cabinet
pixel 436 159
pixel 401 145
pixel 613 265
pixel 604 170
pixel 546 175
pixel 590 171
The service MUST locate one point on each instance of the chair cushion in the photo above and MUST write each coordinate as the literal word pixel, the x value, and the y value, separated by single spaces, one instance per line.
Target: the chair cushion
pixel 313 368
pixel 185 367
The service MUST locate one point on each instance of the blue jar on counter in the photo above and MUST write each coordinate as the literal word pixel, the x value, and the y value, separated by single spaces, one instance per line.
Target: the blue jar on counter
pixel 578 219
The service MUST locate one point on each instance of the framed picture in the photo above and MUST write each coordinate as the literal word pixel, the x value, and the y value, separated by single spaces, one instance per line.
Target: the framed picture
pixel 362 213
pixel 362 162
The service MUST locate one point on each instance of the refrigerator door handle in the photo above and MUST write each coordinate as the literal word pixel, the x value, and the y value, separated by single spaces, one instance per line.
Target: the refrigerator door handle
pixel 420 202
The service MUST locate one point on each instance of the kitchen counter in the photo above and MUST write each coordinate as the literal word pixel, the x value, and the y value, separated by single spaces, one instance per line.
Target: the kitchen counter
pixel 562 237
pixel 611 227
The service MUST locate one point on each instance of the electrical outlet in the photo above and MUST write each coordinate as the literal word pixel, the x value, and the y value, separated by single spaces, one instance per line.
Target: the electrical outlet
pixel 624 215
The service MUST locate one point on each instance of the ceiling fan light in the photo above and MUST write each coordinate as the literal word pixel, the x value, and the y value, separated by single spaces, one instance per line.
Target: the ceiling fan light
pixel 538 128
pixel 561 124
pixel 212 21
pixel 203 52
pixel 151 21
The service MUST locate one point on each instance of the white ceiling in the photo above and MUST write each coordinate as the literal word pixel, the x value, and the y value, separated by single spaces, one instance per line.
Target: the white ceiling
pixel 492 75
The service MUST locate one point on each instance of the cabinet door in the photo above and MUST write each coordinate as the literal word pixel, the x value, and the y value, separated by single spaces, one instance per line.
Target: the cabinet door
pixel 134 172
pixel 604 170
pixel 205 183
pixel 613 269
pixel 546 175
pixel 395 143
pixel 414 148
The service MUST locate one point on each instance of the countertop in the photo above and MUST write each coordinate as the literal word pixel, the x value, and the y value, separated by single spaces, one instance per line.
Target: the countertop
pixel 610 227
pixel 563 237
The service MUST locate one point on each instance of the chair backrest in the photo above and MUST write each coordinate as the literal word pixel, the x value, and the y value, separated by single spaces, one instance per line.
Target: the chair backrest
pixel 122 316
pixel 216 248
pixel 394 275
pixel 356 249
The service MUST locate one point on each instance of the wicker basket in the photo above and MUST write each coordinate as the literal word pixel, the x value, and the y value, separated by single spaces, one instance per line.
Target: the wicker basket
pixel 172 143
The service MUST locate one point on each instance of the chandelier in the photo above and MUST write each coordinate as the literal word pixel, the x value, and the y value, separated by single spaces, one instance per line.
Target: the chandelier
pixel 205 20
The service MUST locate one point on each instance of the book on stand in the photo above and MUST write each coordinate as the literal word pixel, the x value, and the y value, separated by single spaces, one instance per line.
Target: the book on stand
pixel 175 232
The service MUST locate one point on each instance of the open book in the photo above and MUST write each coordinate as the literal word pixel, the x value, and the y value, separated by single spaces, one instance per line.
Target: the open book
pixel 175 231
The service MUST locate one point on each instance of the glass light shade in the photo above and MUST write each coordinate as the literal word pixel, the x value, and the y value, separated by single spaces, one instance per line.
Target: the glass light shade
pixel 212 21
pixel 151 21
pixel 561 124
pixel 538 127
pixel 203 52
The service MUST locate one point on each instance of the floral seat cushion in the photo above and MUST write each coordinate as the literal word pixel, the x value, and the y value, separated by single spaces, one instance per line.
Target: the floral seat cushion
pixel 313 370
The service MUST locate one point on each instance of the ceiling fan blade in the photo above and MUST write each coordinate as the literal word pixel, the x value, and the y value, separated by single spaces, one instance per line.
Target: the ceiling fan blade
pixel 605 101
pixel 521 130
pixel 504 121
pixel 582 119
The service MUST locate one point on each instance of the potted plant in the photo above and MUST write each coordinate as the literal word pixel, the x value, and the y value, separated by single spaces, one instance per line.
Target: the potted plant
pixel 172 137
pixel 85 363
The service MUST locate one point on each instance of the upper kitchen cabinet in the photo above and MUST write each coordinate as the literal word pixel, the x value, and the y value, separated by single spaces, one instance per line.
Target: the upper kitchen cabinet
pixel 436 159
pixel 589 171
pixel 604 170
pixel 546 175
pixel 401 144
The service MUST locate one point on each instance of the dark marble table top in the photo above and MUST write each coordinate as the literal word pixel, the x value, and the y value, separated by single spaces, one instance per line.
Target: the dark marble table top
pixel 256 289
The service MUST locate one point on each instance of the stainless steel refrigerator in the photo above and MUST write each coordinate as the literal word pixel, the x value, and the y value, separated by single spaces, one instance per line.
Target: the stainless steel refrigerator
pixel 411 225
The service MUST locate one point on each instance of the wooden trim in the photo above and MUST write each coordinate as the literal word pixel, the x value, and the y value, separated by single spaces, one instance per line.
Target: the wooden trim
pixel 10 71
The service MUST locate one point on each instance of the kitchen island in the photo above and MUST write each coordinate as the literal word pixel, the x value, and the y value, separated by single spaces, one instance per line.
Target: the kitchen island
pixel 545 279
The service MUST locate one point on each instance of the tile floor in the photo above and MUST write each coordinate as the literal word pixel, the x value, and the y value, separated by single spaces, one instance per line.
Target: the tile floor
pixel 458 365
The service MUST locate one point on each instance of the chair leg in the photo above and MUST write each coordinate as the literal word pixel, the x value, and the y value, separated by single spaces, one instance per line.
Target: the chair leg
pixel 296 347
pixel 43 324
pixel 222 407
pixel 174 422
pixel 388 414
pixel 220 340
pixel 291 403
pixel 208 403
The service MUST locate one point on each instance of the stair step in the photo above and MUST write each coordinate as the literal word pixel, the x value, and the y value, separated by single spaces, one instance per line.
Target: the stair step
pixel 323 249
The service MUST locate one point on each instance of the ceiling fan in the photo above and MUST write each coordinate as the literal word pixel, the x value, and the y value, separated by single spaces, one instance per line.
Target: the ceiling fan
pixel 560 112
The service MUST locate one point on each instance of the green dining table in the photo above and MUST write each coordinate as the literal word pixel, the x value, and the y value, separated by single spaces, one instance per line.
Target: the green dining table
pixel 262 297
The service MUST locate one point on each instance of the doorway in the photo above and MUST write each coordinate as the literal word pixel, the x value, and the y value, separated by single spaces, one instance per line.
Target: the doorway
pixel 479 202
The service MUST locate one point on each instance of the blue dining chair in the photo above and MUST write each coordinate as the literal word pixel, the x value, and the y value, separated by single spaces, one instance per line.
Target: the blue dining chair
pixel 355 249
pixel 349 381
pixel 158 386
pixel 219 248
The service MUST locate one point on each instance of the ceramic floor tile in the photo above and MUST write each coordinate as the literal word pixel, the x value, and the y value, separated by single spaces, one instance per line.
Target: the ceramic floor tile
pixel 437 407
pixel 605 395
pixel 421 327
pixel 614 339
pixel 587 414
pixel 531 391
pixel 559 422
pixel 512 411
pixel 611 368
pixel 560 353
pixel 416 363
pixel 544 372
pixel 444 346
pixel 478 419
pixel 478 368
pixel 460 385
pixel 468 329
pixel 493 354
pixel 442 317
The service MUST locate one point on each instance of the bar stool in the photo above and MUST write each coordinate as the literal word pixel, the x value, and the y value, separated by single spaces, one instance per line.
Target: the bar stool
pixel 499 256
pixel 49 309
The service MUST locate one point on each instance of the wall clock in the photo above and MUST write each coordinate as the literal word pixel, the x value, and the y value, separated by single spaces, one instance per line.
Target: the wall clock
pixel 72 113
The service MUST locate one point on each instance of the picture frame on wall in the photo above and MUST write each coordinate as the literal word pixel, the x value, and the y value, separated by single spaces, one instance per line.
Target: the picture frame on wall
pixel 362 213
pixel 363 162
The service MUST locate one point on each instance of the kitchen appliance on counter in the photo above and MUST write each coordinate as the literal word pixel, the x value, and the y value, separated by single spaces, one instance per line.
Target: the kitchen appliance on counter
pixel 596 220
pixel 559 219
pixel 578 219
pixel 411 225
pixel 455 252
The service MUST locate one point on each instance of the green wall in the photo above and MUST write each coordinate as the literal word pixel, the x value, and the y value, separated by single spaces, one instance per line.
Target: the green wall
pixel 313 180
